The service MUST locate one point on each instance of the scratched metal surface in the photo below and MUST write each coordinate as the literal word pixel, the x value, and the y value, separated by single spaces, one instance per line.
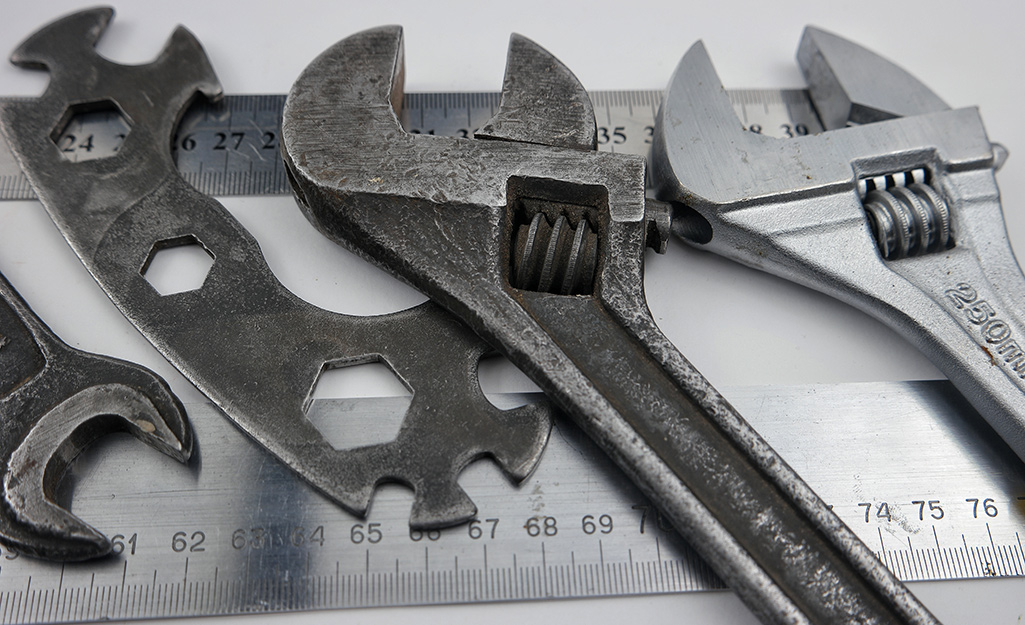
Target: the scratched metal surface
pixel 738 326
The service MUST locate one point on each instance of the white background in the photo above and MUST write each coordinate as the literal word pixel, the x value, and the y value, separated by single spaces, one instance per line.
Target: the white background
pixel 738 326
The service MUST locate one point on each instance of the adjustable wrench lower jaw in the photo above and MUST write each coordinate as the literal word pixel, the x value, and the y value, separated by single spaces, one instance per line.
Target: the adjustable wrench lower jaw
pixel 900 217
pixel 65 400
pixel 464 221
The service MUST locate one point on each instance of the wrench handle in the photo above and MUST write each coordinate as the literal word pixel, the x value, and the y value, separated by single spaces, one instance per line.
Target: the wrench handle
pixel 724 489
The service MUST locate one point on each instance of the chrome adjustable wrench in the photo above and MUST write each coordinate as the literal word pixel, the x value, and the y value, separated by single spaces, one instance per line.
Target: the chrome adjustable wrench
pixel 893 209
pixel 536 241
pixel 54 402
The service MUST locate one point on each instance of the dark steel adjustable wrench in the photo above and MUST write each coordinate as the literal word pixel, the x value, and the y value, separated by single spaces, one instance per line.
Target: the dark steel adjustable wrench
pixel 55 401
pixel 536 241
pixel 893 209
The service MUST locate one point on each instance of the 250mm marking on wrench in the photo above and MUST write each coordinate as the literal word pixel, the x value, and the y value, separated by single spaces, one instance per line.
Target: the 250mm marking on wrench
pixel 992 329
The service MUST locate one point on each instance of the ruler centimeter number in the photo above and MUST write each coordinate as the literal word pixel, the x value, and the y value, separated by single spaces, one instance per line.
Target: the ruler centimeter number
pixel 910 467
pixel 231 148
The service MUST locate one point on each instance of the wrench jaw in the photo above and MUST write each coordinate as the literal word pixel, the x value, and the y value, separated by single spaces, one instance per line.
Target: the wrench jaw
pixel 76 33
pixel 371 89
pixel 32 521
pixel 685 110
pixel 65 400
pixel 52 534
pixel 64 45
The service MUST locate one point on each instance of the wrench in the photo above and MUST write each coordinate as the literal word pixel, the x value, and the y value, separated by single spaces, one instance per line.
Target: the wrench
pixel 241 337
pixel 54 402
pixel 898 214
pixel 536 241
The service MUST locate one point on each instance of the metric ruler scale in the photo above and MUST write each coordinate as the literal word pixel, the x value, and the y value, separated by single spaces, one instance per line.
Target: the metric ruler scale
pixel 910 467
pixel 231 148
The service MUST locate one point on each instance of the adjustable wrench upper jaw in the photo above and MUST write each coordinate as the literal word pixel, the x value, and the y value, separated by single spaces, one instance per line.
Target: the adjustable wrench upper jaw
pixel 360 105
pixel 375 62
pixel 851 84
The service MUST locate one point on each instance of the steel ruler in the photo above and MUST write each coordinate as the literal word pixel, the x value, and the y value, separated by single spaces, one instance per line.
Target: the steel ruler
pixel 231 148
pixel 236 532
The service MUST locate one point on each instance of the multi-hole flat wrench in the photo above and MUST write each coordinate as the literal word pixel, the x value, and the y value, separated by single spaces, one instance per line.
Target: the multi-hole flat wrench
pixel 245 340
pixel 894 209
pixel 536 240
pixel 55 401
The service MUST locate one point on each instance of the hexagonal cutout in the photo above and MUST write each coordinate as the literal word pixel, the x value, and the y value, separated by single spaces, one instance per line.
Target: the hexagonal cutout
pixel 177 265
pixel 348 424
pixel 91 131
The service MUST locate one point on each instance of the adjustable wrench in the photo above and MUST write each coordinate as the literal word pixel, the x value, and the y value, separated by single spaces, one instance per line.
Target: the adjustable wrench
pixel 893 209
pixel 54 401
pixel 536 241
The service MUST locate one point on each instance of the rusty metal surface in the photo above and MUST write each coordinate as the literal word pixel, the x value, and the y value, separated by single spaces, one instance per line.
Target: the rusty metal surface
pixel 441 213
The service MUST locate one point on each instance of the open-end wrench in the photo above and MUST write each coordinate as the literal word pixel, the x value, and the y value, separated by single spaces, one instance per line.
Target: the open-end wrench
pixel 246 341
pixel 54 401
pixel 894 209
pixel 536 240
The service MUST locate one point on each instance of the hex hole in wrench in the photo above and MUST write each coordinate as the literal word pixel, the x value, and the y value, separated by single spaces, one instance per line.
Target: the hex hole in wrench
pixel 177 265
pixel 503 384
pixel 91 131
pixel 351 424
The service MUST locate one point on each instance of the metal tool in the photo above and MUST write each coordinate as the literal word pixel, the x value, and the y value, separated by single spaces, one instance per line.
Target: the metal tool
pixel 536 241
pixel 244 340
pixel 898 214
pixel 243 534
pixel 54 402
